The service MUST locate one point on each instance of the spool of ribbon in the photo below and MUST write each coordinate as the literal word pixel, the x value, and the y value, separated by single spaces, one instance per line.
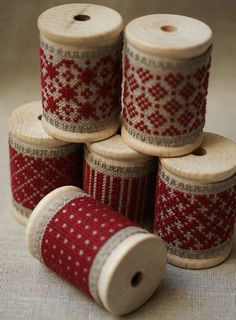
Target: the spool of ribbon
pixel 196 204
pixel 165 84
pixel 120 177
pixel 38 163
pixel 80 59
pixel 101 252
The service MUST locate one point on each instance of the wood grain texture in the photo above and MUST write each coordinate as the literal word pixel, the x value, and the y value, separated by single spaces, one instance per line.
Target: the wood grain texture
pixel 103 25
pixel 132 273
pixel 25 124
pixel 214 161
pixel 159 151
pixel 116 150
pixel 168 35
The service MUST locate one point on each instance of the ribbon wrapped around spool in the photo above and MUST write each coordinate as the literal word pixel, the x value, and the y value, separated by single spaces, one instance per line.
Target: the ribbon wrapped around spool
pixel 80 58
pixel 99 251
pixel 165 84
pixel 38 162
pixel 120 177
pixel 196 204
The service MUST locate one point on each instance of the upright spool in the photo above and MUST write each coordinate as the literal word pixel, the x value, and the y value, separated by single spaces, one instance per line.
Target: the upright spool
pixel 196 204
pixel 99 251
pixel 80 58
pixel 165 84
pixel 120 177
pixel 38 162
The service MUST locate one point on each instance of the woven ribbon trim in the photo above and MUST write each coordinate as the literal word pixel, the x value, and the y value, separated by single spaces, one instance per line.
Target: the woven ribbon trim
pixel 164 101
pixel 128 190
pixel 75 237
pixel 35 172
pixel 195 221
pixel 80 89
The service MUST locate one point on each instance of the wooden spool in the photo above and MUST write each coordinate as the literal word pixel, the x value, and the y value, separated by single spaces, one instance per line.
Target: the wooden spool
pixel 120 177
pixel 99 251
pixel 196 204
pixel 80 71
pixel 38 162
pixel 165 84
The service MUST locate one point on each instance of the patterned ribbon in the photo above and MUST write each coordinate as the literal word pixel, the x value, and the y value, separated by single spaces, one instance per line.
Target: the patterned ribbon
pixel 126 189
pixel 36 171
pixel 80 89
pixel 75 237
pixel 195 221
pixel 164 101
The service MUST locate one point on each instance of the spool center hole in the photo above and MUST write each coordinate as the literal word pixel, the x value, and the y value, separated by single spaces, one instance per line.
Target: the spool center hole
pixel 136 279
pixel 40 117
pixel 82 17
pixel 168 28
pixel 199 152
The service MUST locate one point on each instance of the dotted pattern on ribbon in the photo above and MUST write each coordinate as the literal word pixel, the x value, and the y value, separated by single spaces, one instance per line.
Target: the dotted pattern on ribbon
pixel 75 236
pixel 195 221
pixel 165 100
pixel 80 90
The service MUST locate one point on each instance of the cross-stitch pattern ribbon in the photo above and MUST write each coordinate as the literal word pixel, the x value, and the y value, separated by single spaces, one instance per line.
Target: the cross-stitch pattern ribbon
pixel 164 100
pixel 195 221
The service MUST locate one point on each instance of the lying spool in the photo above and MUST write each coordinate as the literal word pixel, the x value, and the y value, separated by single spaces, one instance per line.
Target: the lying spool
pixel 165 84
pixel 196 204
pixel 38 162
pixel 80 58
pixel 120 177
pixel 101 252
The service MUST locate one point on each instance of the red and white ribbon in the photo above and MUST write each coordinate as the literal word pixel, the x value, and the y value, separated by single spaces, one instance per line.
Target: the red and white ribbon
pixel 128 189
pixel 35 171
pixel 80 89
pixel 75 236
pixel 164 100
pixel 195 221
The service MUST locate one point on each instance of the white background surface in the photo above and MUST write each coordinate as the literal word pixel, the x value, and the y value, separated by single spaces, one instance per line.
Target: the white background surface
pixel 30 291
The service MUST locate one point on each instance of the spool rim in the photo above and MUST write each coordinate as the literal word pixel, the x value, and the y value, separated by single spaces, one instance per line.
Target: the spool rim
pixel 211 167
pixel 17 127
pixel 159 151
pixel 197 264
pixel 141 283
pixel 77 137
pixel 18 217
pixel 39 212
pixel 170 44
pixel 105 36
pixel 128 154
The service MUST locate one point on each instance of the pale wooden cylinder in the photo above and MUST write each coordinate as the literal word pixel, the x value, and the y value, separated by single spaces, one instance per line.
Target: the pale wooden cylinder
pixel 121 275
pixel 121 178
pixel 38 162
pixel 165 84
pixel 195 204
pixel 81 71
